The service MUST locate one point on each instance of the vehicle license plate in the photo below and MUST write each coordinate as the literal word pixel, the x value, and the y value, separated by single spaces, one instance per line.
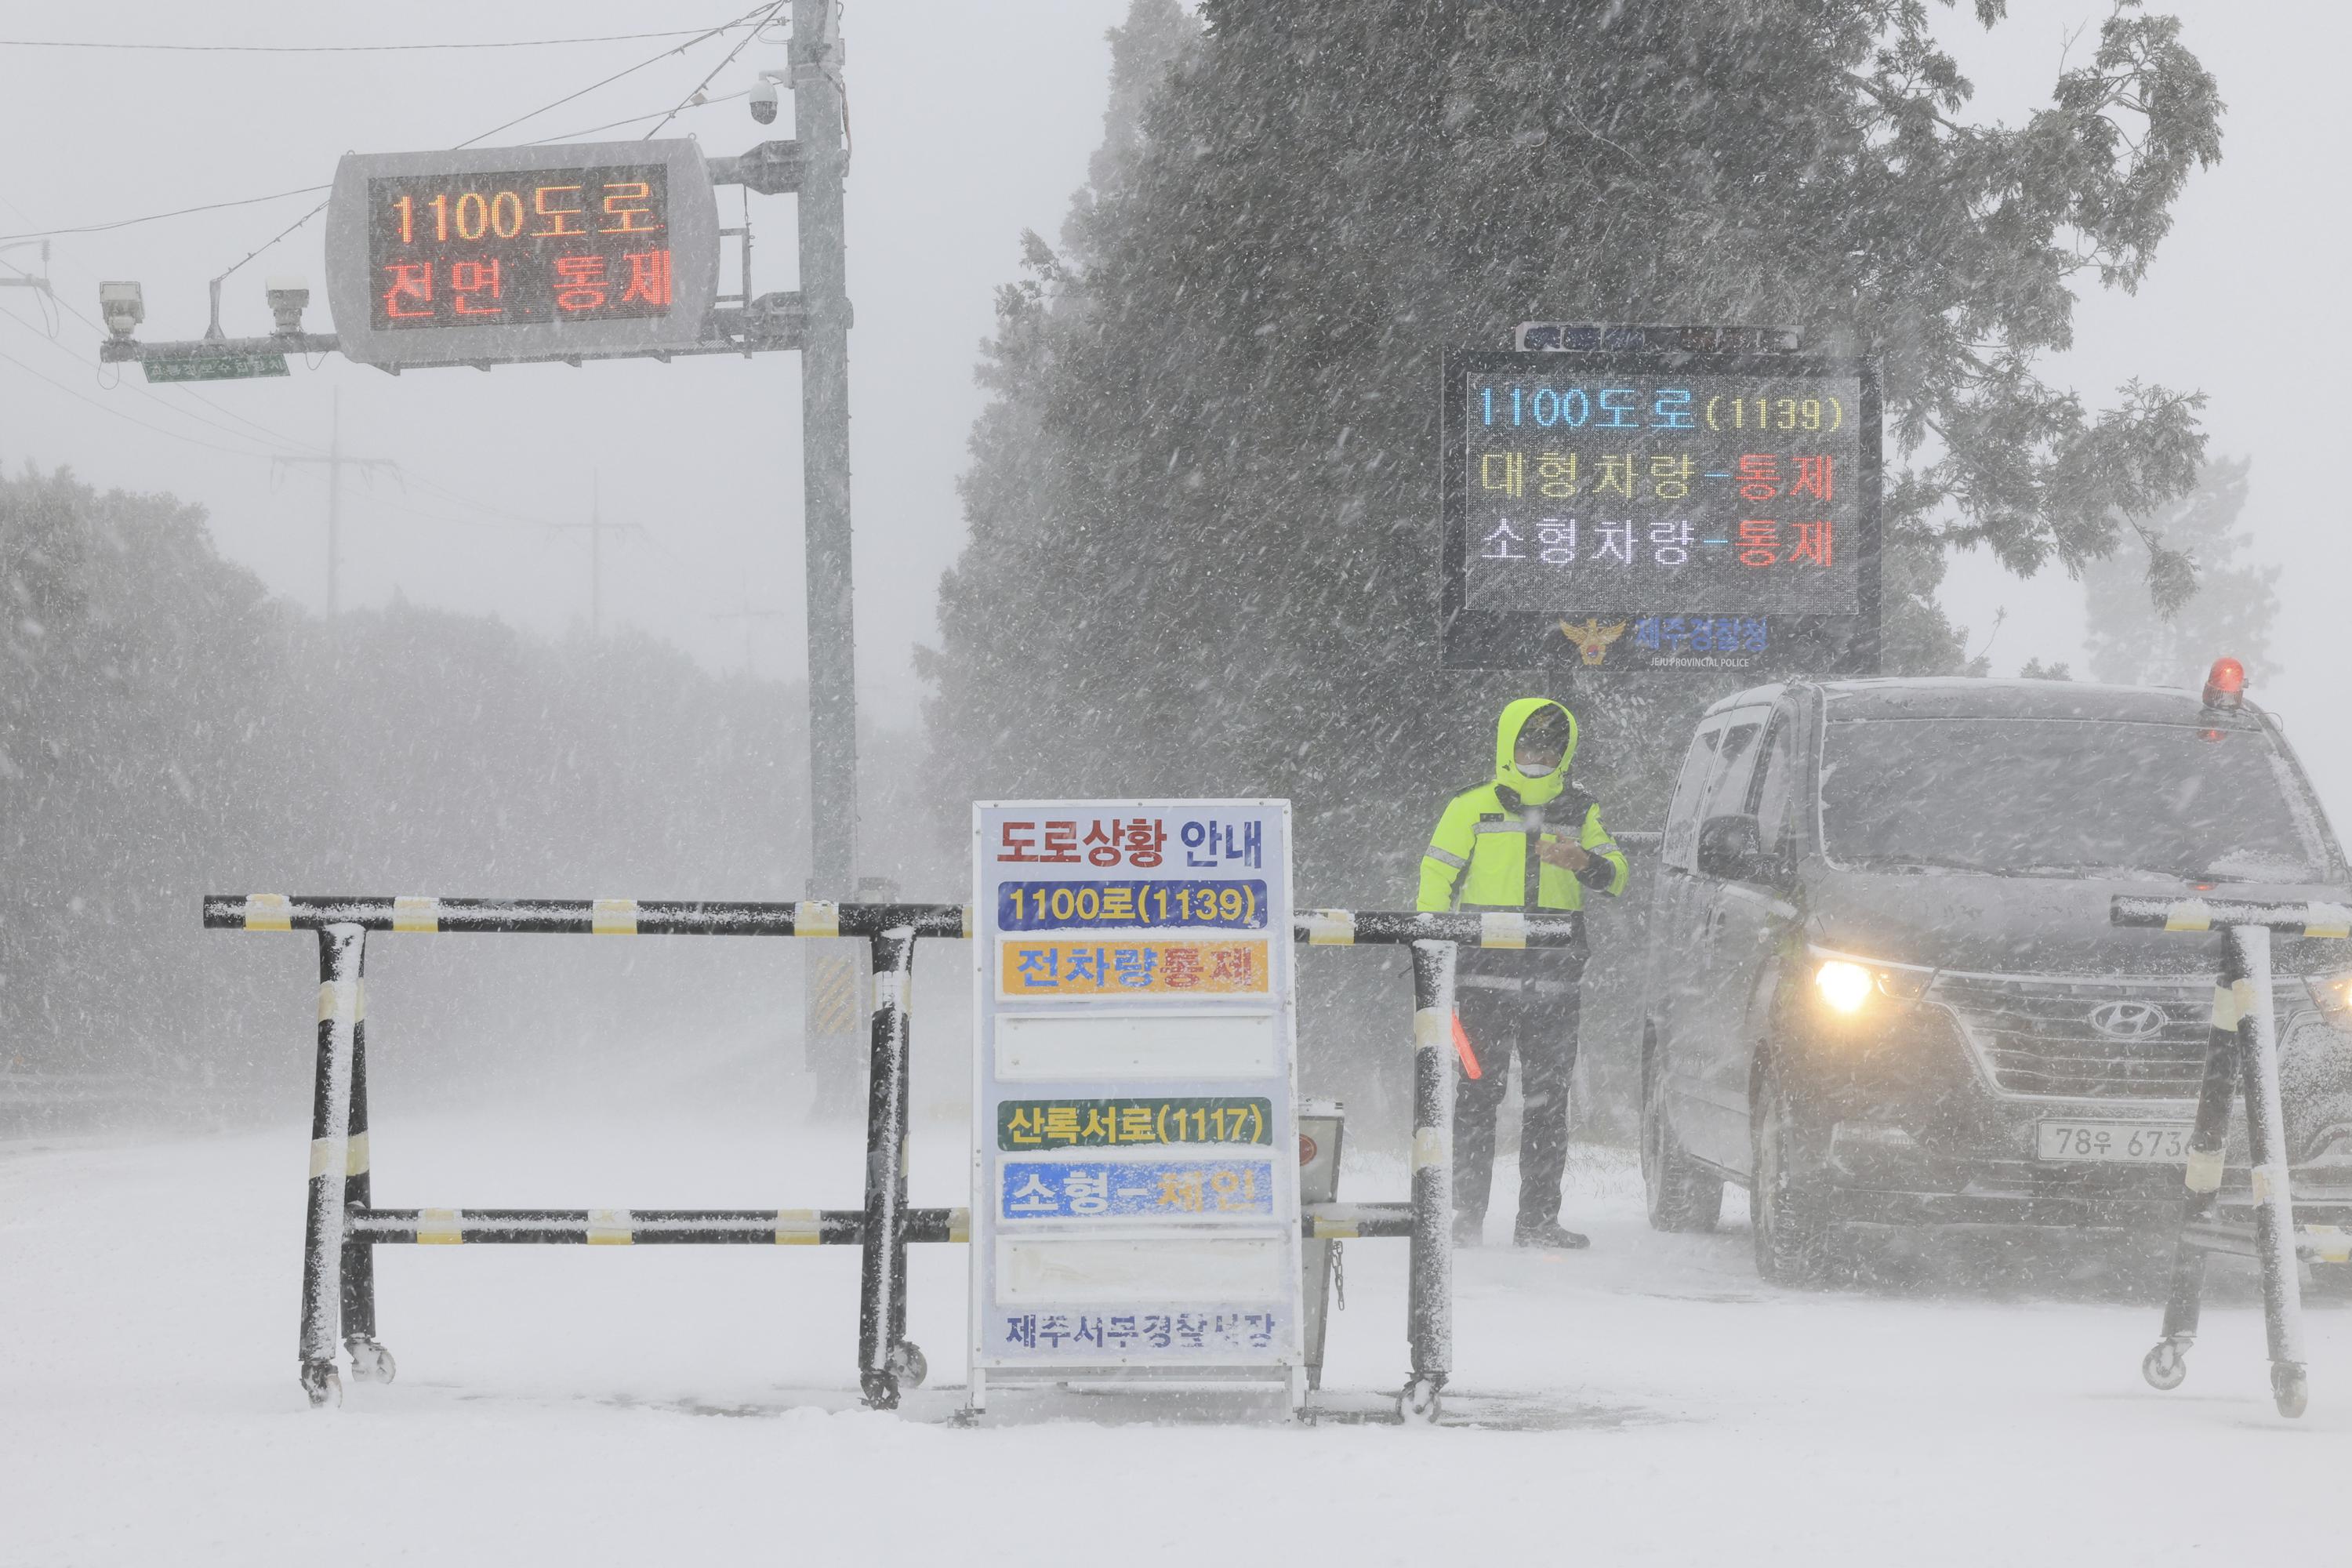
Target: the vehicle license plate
pixel 2132 1142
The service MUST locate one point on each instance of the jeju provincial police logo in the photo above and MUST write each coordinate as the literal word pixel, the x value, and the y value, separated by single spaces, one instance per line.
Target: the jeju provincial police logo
pixel 2128 1020
pixel 1593 638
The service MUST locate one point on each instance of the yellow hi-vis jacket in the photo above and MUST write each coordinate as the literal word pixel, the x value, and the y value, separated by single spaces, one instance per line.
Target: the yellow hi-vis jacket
pixel 1483 854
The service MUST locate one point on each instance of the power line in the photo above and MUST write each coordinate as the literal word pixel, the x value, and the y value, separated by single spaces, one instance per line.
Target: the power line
pixel 82 316
pixel 156 218
pixel 693 36
pixel 741 46
pixel 506 519
pixel 617 76
pixel 134 386
pixel 119 413
pixel 495 519
pixel 343 49
pixel 265 244
pixel 223 408
pixel 710 33
pixel 637 119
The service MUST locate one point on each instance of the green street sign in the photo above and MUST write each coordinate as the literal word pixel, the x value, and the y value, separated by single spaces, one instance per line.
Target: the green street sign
pixel 214 367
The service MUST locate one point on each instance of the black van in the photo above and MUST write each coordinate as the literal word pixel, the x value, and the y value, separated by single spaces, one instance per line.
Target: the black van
pixel 1882 985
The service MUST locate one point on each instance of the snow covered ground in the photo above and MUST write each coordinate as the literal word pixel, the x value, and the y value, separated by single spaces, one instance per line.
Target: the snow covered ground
pixel 1648 1401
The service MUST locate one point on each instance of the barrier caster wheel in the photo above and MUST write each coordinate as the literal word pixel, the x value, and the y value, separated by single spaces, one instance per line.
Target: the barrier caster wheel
pixel 371 1362
pixel 907 1363
pixel 2289 1388
pixel 1419 1404
pixel 321 1384
pixel 881 1390
pixel 2166 1365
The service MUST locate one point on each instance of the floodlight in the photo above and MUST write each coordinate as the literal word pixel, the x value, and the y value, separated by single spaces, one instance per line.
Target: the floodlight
pixel 287 296
pixel 124 306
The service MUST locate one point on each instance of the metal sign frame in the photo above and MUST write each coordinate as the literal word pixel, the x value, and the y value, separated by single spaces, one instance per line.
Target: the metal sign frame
pixel 692 230
pixel 1828 645
pixel 1135 1265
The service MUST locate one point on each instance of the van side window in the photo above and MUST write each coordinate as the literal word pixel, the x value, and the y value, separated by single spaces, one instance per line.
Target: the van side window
pixel 1771 796
pixel 1682 817
pixel 1727 791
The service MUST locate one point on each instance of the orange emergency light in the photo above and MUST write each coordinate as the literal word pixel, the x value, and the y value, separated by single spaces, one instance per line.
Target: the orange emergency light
pixel 2225 684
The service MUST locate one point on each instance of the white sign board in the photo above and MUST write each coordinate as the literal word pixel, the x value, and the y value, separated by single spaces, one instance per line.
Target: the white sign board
pixel 1135 1169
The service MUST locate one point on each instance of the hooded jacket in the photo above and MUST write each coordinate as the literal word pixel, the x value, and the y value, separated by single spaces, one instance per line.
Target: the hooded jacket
pixel 1483 854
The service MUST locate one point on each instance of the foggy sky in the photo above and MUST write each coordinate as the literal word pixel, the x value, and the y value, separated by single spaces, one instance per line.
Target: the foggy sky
pixel 971 122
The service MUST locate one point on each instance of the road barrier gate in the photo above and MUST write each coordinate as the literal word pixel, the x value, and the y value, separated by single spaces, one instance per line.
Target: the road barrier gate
pixel 343 1227
pixel 2241 1058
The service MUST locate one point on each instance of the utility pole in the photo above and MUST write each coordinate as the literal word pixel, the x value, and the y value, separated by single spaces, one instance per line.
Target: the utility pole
pixel 335 462
pixel 595 557
pixel 747 615
pixel 25 279
pixel 832 1038
pixel 596 528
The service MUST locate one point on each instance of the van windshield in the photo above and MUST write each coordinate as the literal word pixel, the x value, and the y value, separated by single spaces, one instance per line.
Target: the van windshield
pixel 2065 795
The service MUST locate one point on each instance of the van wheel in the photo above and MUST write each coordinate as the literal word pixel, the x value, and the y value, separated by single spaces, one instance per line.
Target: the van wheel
pixel 1792 1234
pixel 1683 1194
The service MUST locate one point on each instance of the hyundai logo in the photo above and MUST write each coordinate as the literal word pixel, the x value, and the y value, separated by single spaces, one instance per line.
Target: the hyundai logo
pixel 2128 1020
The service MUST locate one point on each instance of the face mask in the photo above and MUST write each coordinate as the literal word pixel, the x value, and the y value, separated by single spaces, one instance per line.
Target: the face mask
pixel 1534 773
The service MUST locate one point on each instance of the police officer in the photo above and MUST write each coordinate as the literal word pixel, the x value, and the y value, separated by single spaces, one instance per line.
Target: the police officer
pixel 1525 840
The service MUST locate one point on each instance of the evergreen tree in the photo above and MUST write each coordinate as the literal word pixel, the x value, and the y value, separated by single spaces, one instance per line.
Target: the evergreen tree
pixel 1202 501
pixel 167 730
pixel 2231 609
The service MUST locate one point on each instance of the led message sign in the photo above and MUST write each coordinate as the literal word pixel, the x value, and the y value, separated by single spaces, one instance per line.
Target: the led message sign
pixel 588 244
pixel 1661 510
pixel 521 253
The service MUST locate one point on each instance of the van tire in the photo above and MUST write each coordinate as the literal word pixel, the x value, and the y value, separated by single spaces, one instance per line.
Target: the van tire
pixel 1791 1231
pixel 1682 1194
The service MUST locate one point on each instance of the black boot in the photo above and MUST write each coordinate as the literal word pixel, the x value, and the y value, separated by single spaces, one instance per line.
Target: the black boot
pixel 1550 1234
pixel 1469 1229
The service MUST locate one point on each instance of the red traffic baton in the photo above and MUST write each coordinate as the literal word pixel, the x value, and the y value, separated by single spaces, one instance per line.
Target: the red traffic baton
pixel 1462 1048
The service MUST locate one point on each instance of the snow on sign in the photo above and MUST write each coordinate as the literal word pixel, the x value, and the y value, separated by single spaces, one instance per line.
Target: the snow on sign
pixel 1133 1214
pixel 502 253
pixel 1651 509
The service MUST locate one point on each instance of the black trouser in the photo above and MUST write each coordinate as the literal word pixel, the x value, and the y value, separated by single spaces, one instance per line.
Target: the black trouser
pixel 1524 1003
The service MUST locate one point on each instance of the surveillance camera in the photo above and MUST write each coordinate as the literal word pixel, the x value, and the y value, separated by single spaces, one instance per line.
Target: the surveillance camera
pixel 287 296
pixel 764 103
pixel 124 306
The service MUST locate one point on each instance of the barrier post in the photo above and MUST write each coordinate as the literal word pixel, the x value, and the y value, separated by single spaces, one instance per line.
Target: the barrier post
pixel 884 1358
pixel 1430 1305
pixel 2208 1145
pixel 2242 1057
pixel 2249 955
pixel 342 953
pixel 371 1362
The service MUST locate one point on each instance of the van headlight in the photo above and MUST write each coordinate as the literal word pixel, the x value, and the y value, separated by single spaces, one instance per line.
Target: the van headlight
pixel 1846 982
pixel 1843 984
pixel 2333 994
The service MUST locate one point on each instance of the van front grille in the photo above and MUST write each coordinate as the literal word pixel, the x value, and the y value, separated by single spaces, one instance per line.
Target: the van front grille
pixel 2038 1037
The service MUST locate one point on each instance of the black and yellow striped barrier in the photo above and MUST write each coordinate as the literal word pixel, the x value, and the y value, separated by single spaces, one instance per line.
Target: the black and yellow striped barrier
pixel 751 1227
pixel 807 918
pixel 642 1227
pixel 577 917
pixel 1493 928
pixel 2241 1063
pixel 2308 917
pixel 343 1227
